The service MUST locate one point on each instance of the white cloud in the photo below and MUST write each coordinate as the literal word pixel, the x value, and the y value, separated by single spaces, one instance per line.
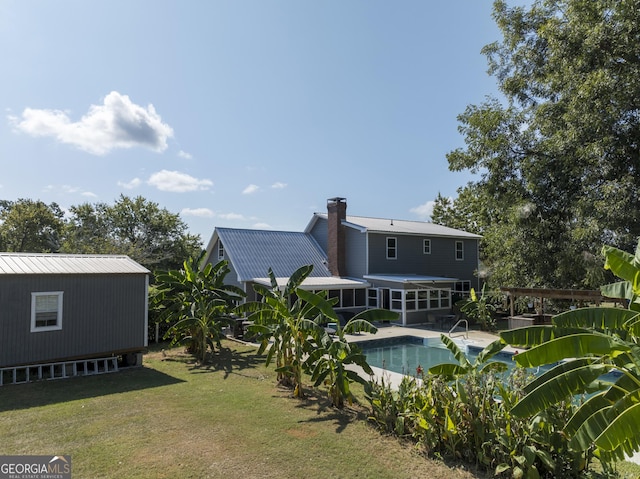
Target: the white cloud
pixel 262 226
pixel 250 189
pixel 231 216
pixel 185 155
pixel 68 189
pixel 134 183
pixel 278 185
pixel 424 211
pixel 199 212
pixel 117 123
pixel 177 182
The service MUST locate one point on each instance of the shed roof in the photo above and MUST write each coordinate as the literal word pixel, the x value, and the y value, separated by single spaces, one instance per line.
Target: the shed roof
pixel 253 252
pixel 53 263
pixel 390 225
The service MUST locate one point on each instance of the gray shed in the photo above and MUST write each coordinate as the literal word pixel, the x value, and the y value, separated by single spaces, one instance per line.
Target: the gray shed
pixel 58 308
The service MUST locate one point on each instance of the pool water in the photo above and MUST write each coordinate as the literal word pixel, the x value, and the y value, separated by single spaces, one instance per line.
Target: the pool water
pixel 403 354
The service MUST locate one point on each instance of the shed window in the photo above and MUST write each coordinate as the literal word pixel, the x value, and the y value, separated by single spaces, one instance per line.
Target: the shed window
pixel 426 246
pixel 46 311
pixel 459 250
pixel 220 251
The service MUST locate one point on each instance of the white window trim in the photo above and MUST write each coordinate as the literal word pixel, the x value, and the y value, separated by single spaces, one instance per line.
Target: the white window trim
pixel 58 326
pixel 220 251
pixel 395 248
pixel 426 242
pixel 461 250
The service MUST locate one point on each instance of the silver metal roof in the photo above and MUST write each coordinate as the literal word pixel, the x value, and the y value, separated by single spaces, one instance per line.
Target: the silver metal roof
pixel 253 252
pixel 319 283
pixel 389 225
pixel 409 278
pixel 45 263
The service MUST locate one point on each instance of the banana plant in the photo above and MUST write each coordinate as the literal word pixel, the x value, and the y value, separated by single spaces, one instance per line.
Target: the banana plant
pixel 481 364
pixel 197 302
pixel 328 362
pixel 284 325
pixel 584 345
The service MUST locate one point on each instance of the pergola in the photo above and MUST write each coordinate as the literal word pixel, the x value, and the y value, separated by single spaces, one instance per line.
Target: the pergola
pixel 590 295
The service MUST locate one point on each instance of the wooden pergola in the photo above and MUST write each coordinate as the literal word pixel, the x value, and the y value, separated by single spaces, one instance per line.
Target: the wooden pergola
pixel 589 295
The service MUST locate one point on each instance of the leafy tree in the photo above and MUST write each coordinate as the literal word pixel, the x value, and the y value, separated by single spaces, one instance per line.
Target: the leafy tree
pixel 197 303
pixel 589 343
pixel 558 161
pixel 30 226
pixel 153 236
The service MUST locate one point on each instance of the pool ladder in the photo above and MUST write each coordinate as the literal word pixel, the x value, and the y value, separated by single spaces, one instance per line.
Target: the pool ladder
pixel 466 328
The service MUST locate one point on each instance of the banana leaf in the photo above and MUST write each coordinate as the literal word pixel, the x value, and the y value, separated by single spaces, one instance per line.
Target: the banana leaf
pixel 558 387
pixel 572 346
pixel 599 318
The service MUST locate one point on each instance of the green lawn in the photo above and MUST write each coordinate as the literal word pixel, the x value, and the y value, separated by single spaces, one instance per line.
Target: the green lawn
pixel 173 419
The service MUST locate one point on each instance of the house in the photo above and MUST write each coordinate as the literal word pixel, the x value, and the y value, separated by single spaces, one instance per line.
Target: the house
pixel 412 267
pixel 66 309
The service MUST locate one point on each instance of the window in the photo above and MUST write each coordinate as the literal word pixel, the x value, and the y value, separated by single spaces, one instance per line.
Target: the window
pixel 46 311
pixel 426 246
pixel 392 248
pixel 220 251
pixel 396 300
pixel 459 250
pixel 372 298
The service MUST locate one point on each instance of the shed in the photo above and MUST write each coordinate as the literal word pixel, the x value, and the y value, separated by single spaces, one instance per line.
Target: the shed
pixel 60 308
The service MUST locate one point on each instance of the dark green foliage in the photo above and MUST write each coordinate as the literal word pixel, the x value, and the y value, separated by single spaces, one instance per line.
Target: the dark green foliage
pixel 196 303
pixel 30 226
pixel 468 418
pixel 558 158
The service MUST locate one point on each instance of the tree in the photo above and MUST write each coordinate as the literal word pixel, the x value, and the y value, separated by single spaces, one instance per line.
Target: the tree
pixel 586 344
pixel 152 236
pixel 558 162
pixel 30 226
pixel 197 302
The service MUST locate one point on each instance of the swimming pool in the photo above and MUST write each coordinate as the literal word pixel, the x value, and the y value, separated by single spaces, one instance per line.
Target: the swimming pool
pixel 403 354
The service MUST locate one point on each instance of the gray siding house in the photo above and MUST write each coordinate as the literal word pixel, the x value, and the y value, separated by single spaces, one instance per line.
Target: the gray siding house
pixel 412 267
pixel 57 307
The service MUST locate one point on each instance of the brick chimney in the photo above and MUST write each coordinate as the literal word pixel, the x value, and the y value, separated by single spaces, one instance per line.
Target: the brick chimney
pixel 336 212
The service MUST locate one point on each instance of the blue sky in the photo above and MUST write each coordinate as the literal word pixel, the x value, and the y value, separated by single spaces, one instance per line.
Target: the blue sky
pixel 239 113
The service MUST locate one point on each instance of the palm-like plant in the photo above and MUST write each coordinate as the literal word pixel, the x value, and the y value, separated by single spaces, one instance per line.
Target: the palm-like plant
pixel 329 360
pixel 586 344
pixel 289 324
pixel 282 324
pixel 198 303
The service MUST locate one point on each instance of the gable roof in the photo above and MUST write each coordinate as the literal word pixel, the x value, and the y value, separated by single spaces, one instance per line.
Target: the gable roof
pixel 54 263
pixel 389 225
pixel 253 252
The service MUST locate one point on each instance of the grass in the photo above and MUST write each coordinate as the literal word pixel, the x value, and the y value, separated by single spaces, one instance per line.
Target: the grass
pixel 171 418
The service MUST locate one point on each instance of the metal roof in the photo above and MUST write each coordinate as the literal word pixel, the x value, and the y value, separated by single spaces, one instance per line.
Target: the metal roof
pixel 253 252
pixel 319 283
pixel 409 278
pixel 390 225
pixel 53 263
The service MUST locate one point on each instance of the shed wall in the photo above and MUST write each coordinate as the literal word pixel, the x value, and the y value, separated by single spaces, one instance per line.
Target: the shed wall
pixel 102 314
